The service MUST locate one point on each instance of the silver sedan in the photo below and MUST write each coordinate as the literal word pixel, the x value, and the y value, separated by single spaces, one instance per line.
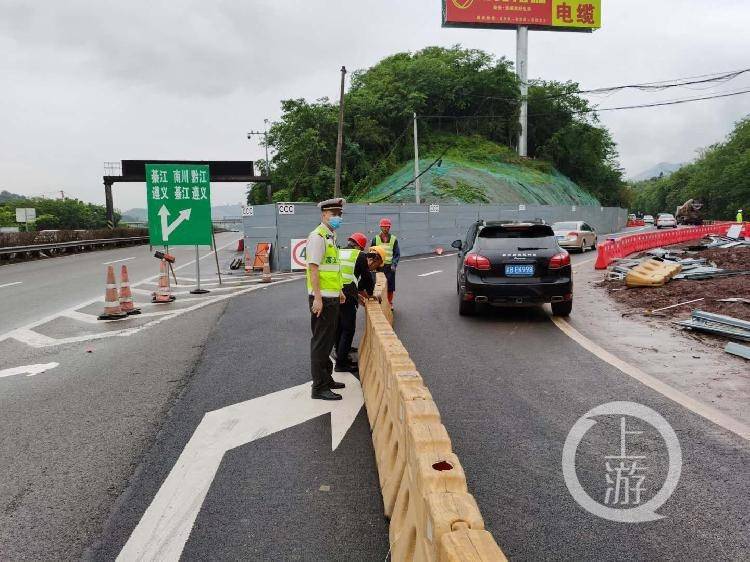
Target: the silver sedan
pixel 575 235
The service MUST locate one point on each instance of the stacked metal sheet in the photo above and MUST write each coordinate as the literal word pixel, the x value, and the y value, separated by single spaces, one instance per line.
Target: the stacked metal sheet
pixel 727 326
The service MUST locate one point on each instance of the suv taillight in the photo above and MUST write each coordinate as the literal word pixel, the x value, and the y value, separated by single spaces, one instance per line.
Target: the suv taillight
pixel 476 261
pixel 559 260
pixel 572 235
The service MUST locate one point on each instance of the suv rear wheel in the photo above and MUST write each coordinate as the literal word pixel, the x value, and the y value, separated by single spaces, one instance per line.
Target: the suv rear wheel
pixel 562 308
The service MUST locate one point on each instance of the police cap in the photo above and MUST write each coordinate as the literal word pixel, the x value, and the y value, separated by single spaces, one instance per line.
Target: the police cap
pixel 332 204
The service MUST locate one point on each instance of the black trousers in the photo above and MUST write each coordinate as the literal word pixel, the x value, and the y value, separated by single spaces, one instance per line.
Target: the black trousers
pixel 347 327
pixel 323 338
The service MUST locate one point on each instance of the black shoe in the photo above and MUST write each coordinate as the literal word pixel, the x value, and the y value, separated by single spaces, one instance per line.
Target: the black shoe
pixel 347 368
pixel 333 385
pixel 325 395
pixel 354 348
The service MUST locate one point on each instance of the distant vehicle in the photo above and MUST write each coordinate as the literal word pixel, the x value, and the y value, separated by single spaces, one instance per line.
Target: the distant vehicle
pixel 648 219
pixel 666 220
pixel 690 212
pixel 512 264
pixel 575 234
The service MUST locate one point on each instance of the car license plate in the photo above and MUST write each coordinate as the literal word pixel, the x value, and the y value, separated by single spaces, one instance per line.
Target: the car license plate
pixel 519 270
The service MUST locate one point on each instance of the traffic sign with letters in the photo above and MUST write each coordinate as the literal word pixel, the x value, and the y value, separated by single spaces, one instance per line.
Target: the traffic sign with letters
pixel 286 208
pixel 179 204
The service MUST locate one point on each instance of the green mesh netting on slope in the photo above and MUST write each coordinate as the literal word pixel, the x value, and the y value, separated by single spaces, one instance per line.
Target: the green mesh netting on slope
pixel 488 182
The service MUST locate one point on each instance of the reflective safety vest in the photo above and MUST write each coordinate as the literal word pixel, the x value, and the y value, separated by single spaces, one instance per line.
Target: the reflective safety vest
pixel 329 269
pixel 739 217
pixel 387 246
pixel 348 259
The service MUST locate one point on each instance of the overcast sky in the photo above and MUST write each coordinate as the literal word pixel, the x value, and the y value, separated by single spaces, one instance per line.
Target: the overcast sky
pixel 86 82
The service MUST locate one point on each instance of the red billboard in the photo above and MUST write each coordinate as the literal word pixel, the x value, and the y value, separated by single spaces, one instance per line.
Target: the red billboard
pixel 553 15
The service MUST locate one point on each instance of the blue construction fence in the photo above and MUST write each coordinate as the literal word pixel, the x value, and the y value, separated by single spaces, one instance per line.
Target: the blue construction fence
pixel 419 228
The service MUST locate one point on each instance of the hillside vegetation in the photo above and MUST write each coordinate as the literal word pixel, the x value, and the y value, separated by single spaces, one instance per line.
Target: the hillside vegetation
pixel 720 176
pixel 457 93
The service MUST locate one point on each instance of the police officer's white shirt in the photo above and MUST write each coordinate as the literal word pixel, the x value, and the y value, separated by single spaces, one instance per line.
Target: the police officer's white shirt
pixel 316 247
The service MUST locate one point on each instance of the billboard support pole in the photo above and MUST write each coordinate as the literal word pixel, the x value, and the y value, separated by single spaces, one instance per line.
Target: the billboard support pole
pixel 522 57
pixel 340 141
pixel 417 182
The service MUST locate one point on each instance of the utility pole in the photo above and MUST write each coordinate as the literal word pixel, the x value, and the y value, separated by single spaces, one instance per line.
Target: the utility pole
pixel 522 57
pixel 340 142
pixel 268 163
pixel 417 181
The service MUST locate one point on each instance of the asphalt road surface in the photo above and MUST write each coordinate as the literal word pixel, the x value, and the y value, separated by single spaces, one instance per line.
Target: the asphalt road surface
pixel 201 424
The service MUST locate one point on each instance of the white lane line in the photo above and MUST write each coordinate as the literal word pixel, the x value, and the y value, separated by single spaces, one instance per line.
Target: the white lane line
pixel 28 370
pixel 430 273
pixel 428 258
pixel 115 261
pixel 26 334
pixel 35 339
pixel 704 410
pixel 10 284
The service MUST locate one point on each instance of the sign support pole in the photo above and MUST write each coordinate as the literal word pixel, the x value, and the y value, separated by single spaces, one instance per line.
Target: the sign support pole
pixel 340 141
pixel 216 254
pixel 198 290
pixel 522 57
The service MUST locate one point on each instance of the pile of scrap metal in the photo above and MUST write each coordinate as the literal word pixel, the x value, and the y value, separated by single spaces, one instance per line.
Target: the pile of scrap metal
pixel 689 268
pixel 718 324
pixel 712 241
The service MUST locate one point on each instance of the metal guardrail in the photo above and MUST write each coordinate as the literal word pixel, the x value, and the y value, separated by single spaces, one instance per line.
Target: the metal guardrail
pixel 71 244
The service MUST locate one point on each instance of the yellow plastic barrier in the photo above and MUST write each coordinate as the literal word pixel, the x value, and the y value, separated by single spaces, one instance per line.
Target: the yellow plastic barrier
pixel 652 273
pixel 432 515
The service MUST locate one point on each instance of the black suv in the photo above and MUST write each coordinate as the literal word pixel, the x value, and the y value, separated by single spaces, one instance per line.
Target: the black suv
pixel 513 264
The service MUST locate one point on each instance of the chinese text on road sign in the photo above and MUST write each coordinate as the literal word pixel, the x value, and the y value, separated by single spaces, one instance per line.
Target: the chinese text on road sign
pixel 179 204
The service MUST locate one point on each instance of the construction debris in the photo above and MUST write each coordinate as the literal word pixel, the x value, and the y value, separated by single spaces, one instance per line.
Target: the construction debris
pixel 718 324
pixel 738 349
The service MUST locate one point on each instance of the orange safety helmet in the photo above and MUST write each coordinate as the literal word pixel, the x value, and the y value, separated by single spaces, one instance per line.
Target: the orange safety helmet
pixel 385 222
pixel 359 239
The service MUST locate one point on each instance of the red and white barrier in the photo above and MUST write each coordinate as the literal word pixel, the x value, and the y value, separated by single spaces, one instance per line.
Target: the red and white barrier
pixel 615 248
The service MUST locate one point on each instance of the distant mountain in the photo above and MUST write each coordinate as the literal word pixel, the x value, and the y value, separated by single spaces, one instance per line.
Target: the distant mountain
pixel 665 168
pixel 8 196
pixel 219 212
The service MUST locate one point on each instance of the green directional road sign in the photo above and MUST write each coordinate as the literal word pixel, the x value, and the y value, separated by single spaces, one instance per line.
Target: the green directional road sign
pixel 179 204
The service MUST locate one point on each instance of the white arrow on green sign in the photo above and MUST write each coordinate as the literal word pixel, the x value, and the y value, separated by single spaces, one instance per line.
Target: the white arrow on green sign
pixel 184 191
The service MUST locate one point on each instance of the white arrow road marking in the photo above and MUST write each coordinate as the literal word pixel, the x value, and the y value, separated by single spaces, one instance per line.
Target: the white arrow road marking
pixel 430 273
pixel 10 284
pixel 165 527
pixel 166 228
pixel 115 261
pixel 28 370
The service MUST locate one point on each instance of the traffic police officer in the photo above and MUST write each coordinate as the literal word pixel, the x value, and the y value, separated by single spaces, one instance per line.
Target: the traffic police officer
pixel 392 254
pixel 356 279
pixel 324 295
pixel 739 215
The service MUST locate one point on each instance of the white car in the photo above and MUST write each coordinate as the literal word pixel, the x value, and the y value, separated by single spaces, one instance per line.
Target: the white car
pixel 666 220
pixel 575 235
pixel 648 219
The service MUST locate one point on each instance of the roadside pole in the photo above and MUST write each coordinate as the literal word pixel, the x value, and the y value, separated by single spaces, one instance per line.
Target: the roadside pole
pixel 216 254
pixel 522 57
pixel 340 142
pixel 417 181
pixel 198 290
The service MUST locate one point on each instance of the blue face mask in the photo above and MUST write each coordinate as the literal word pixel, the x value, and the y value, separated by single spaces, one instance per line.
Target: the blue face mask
pixel 335 222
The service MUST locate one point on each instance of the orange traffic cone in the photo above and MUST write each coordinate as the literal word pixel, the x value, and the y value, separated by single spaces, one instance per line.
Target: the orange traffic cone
pixel 164 293
pixel 126 297
pixel 112 309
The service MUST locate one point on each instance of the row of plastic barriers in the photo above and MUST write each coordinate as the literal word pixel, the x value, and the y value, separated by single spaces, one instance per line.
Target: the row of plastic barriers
pixel 433 517
pixel 614 248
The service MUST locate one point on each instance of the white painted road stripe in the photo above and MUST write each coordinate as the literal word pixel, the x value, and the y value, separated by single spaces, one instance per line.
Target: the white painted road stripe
pixel 28 370
pixel 115 261
pixel 10 284
pixel 708 412
pixel 430 273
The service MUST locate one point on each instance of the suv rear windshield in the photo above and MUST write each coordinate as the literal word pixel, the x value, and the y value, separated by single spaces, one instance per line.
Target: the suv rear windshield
pixel 516 231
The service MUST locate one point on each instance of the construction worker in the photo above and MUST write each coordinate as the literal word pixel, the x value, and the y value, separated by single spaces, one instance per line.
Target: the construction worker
pixel 739 215
pixel 324 296
pixel 388 242
pixel 358 283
